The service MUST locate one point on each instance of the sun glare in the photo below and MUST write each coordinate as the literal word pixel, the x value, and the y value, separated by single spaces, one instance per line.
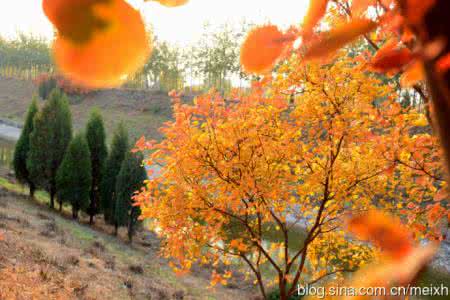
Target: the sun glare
pixel 181 25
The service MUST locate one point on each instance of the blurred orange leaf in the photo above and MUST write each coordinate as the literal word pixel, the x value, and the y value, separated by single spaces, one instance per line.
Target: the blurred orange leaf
pixel 416 9
pixel 331 41
pixel 413 75
pixel 390 58
pixel 407 35
pixel 360 6
pixel 401 271
pixel 110 55
pixel 76 20
pixel 386 232
pixel 172 3
pixel 443 64
pixel 262 48
pixel 440 195
pixel 316 11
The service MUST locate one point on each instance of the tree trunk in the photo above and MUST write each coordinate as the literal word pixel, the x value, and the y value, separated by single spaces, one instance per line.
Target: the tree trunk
pixel 92 208
pixel 74 213
pixel 52 198
pixel 60 205
pixel 116 229
pixel 32 190
pixel 130 231
pixel 282 286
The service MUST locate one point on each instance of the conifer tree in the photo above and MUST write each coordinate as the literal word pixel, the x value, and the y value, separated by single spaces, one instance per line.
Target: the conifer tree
pixel 118 149
pixel 130 179
pixel 96 139
pixel 49 139
pixel 22 149
pixel 74 176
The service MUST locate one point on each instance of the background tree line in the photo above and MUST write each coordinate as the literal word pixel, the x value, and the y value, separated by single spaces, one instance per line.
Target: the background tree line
pixel 212 62
pixel 25 56
pixel 76 169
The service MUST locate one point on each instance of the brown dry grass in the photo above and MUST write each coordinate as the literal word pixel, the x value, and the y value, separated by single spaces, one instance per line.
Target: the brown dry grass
pixel 45 255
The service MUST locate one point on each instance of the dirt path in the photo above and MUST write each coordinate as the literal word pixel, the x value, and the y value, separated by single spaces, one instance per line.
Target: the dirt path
pixel 44 255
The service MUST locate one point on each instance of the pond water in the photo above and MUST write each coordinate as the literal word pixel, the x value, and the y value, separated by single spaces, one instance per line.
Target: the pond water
pixel 6 153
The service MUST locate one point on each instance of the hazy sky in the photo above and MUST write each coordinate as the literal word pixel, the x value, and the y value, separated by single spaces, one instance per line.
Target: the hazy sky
pixel 179 25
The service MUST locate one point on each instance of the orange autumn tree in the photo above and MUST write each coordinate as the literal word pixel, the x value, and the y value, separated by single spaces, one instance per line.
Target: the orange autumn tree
pixel 418 189
pixel 408 36
pixel 233 171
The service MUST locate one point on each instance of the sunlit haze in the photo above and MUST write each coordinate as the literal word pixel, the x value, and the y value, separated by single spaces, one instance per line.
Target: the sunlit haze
pixel 181 25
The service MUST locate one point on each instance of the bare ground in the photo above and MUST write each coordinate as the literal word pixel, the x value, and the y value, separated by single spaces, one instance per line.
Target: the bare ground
pixel 46 255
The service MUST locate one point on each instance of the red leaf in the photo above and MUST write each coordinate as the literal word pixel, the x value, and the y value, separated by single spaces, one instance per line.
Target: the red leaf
pixel 389 58
pixel 443 64
pixel 416 9
pixel 386 232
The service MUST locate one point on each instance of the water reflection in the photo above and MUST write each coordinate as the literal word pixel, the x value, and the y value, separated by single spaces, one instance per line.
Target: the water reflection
pixel 6 153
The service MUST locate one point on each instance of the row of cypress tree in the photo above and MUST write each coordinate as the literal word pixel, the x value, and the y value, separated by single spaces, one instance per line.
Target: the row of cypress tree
pixel 78 170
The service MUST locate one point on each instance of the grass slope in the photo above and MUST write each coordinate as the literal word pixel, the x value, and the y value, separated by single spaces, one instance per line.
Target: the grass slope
pixel 143 112
pixel 46 255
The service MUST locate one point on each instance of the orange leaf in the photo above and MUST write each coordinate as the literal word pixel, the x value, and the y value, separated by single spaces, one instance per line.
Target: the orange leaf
pixel 388 47
pixel 412 75
pixel 386 60
pixel 316 11
pixel 262 48
pixel 110 56
pixel 440 195
pixel 360 6
pixel 434 48
pixel 331 41
pixel 390 171
pixel 172 3
pixel 443 64
pixel 407 35
pixel 76 20
pixel 423 180
pixel 386 232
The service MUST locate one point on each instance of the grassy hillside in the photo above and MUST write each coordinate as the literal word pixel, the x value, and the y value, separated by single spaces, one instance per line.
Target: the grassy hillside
pixel 142 111
pixel 46 255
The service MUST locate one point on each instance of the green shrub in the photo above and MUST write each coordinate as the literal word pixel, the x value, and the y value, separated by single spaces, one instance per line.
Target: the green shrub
pixel 46 84
pixel 130 179
pixel 96 139
pixel 118 150
pixel 52 132
pixel 74 176
pixel 22 149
